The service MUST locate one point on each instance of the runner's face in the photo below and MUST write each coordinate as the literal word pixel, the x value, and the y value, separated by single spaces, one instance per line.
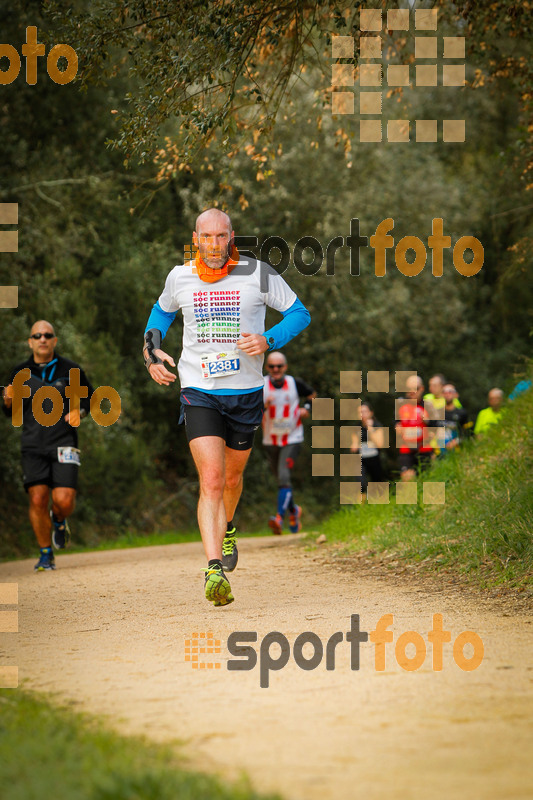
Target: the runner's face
pixel 365 413
pixel 449 394
pixel 495 400
pixel 42 348
pixel 435 387
pixel 276 368
pixel 214 241
pixel 414 389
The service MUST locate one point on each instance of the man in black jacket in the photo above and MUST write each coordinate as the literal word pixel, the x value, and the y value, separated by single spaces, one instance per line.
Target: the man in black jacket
pixel 49 443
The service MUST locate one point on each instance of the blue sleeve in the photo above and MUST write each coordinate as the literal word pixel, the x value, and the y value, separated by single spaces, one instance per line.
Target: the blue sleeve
pixel 160 320
pixel 295 319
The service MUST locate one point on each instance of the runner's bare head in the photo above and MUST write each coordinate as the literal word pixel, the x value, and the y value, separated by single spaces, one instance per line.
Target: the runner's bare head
pixel 214 237
pixel 213 216
pixel 42 326
pixel 436 383
pixel 414 385
pixel 495 398
pixel 276 364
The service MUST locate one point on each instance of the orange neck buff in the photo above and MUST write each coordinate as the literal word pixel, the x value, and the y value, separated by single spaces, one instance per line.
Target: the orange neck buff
pixel 210 275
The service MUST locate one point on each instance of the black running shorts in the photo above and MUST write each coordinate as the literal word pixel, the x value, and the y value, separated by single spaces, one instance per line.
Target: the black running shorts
pixel 234 418
pixel 371 470
pixel 43 467
pixel 414 460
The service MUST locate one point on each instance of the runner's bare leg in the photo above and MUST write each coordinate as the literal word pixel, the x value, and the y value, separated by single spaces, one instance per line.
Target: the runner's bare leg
pixel 209 458
pixel 39 515
pixel 235 463
pixel 63 501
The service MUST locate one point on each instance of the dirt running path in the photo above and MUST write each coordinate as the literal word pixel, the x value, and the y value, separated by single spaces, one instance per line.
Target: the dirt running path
pixel 107 631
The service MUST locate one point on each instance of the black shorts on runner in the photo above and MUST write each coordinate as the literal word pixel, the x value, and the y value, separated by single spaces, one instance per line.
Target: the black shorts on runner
pixel 44 468
pixel 414 460
pixel 234 418
pixel 371 470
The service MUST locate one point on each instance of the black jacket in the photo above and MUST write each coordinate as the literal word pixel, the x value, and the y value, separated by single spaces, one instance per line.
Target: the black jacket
pixel 56 373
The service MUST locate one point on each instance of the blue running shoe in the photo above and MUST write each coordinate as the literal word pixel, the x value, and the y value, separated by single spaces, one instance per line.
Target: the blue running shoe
pixel 295 525
pixel 46 561
pixel 60 532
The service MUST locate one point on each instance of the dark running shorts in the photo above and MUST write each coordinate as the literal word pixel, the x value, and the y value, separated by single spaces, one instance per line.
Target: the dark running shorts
pixel 44 468
pixel 414 460
pixel 371 470
pixel 234 418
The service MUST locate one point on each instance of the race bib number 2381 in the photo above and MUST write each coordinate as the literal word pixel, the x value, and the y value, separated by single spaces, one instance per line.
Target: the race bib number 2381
pixel 68 455
pixel 220 365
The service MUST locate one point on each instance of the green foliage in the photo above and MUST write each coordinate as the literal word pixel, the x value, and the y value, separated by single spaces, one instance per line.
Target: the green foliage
pixel 50 752
pixel 217 68
pixel 212 66
pixel 484 527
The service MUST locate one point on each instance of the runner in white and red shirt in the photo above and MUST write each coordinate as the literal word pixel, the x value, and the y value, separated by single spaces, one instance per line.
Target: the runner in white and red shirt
pixel 283 433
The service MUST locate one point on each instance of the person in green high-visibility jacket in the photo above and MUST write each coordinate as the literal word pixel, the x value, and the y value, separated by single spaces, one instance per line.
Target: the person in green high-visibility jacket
pixel 489 416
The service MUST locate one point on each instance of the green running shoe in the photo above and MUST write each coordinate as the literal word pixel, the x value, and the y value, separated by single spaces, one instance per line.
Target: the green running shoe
pixel 230 554
pixel 217 588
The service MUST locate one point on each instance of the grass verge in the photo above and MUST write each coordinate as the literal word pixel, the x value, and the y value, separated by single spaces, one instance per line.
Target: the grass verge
pixel 484 528
pixel 52 753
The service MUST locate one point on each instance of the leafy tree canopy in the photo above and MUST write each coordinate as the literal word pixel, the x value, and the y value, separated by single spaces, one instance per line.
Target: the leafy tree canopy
pixel 224 66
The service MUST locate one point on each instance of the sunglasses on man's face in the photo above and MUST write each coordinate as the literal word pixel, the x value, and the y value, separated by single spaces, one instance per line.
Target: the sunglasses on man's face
pixel 275 366
pixel 40 335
